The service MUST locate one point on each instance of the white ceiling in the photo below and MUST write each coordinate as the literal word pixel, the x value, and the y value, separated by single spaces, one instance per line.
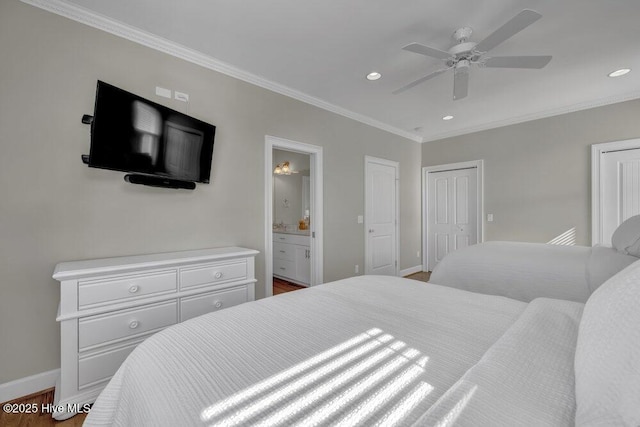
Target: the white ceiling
pixel 320 51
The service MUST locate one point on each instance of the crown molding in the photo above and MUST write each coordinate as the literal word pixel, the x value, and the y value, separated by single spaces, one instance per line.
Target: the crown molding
pixel 601 102
pixel 112 26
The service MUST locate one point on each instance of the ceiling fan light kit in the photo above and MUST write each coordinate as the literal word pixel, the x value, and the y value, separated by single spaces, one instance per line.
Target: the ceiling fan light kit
pixel 465 54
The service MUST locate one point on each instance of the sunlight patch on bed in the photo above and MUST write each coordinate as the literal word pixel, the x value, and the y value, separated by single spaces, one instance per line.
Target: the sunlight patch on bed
pixel 568 238
pixel 406 405
pixel 256 389
pixel 351 381
pixel 358 389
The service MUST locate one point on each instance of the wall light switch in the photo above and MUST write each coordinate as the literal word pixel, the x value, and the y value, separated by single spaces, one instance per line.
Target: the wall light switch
pixel 165 93
pixel 360 219
pixel 489 217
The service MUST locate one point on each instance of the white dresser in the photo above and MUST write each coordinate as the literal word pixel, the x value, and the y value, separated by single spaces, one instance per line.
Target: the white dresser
pixel 292 257
pixel 109 306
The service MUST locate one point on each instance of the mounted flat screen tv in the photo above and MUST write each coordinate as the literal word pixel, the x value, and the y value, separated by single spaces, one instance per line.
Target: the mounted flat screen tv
pixel 132 134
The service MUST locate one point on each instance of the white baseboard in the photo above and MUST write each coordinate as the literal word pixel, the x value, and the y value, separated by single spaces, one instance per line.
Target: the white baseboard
pixel 411 270
pixel 28 385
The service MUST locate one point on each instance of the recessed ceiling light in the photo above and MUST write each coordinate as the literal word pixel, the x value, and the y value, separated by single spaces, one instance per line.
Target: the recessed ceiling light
pixel 620 72
pixel 447 118
pixel 374 76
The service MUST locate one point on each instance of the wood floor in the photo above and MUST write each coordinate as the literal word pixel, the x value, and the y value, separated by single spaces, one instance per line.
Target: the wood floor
pixel 281 286
pixel 423 276
pixel 39 418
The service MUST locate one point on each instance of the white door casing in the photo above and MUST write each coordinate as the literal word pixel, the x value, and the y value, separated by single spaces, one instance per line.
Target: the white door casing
pixel 615 187
pixel 316 208
pixel 452 209
pixel 381 216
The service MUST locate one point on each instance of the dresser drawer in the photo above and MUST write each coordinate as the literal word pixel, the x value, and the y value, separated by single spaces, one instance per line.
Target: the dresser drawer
pixel 213 273
pixel 101 367
pixel 195 306
pixel 284 268
pixel 283 251
pixel 104 328
pixel 294 239
pixel 125 287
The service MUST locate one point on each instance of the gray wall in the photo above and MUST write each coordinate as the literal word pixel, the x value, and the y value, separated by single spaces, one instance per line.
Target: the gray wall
pixel 538 174
pixel 53 208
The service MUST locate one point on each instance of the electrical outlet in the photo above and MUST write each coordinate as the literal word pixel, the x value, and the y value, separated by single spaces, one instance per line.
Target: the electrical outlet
pixel 357 269
pixel 489 217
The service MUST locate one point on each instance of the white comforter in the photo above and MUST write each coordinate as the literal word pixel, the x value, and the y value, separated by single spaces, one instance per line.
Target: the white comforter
pixel 361 351
pixel 525 271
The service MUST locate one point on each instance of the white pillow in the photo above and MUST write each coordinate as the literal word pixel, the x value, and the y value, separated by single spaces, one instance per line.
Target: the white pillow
pixel 607 362
pixel 626 238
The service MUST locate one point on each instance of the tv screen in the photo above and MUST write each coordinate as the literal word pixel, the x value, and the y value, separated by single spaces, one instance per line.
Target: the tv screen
pixel 132 134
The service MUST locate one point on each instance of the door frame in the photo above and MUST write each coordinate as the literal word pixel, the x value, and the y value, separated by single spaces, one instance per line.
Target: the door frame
pixel 316 206
pixel 597 150
pixel 396 165
pixel 479 165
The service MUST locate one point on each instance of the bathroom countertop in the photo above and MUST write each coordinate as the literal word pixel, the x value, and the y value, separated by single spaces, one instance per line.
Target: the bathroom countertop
pixel 296 232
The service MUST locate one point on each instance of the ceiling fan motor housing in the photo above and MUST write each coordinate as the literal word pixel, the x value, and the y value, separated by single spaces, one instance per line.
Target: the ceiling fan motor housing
pixel 462 48
pixel 463 63
pixel 462 34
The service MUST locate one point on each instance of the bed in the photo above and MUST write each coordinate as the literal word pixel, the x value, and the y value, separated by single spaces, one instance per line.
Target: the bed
pixel 374 350
pixel 525 271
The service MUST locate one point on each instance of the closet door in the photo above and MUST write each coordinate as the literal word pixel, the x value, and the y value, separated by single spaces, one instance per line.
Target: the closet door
pixel 452 223
pixel 620 184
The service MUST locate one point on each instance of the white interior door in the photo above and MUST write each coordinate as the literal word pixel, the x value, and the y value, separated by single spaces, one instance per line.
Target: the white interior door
pixel 381 215
pixel 620 181
pixel 452 212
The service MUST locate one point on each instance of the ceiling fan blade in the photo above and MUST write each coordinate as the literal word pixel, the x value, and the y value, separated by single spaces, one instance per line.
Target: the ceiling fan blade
pixel 511 28
pixel 517 61
pixel 427 51
pixel 420 80
pixel 460 83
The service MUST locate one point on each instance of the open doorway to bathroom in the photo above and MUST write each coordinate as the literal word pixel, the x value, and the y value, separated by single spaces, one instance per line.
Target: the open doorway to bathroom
pixel 291 220
pixel 293 212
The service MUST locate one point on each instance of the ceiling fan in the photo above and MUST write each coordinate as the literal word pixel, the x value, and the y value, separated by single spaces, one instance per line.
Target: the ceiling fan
pixel 465 54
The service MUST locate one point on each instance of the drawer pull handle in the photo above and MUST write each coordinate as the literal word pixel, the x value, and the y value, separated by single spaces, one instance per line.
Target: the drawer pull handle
pixel 282 252
pixel 217 304
pixel 218 275
pixel 134 324
pixel 282 268
pixel 282 238
pixel 133 289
